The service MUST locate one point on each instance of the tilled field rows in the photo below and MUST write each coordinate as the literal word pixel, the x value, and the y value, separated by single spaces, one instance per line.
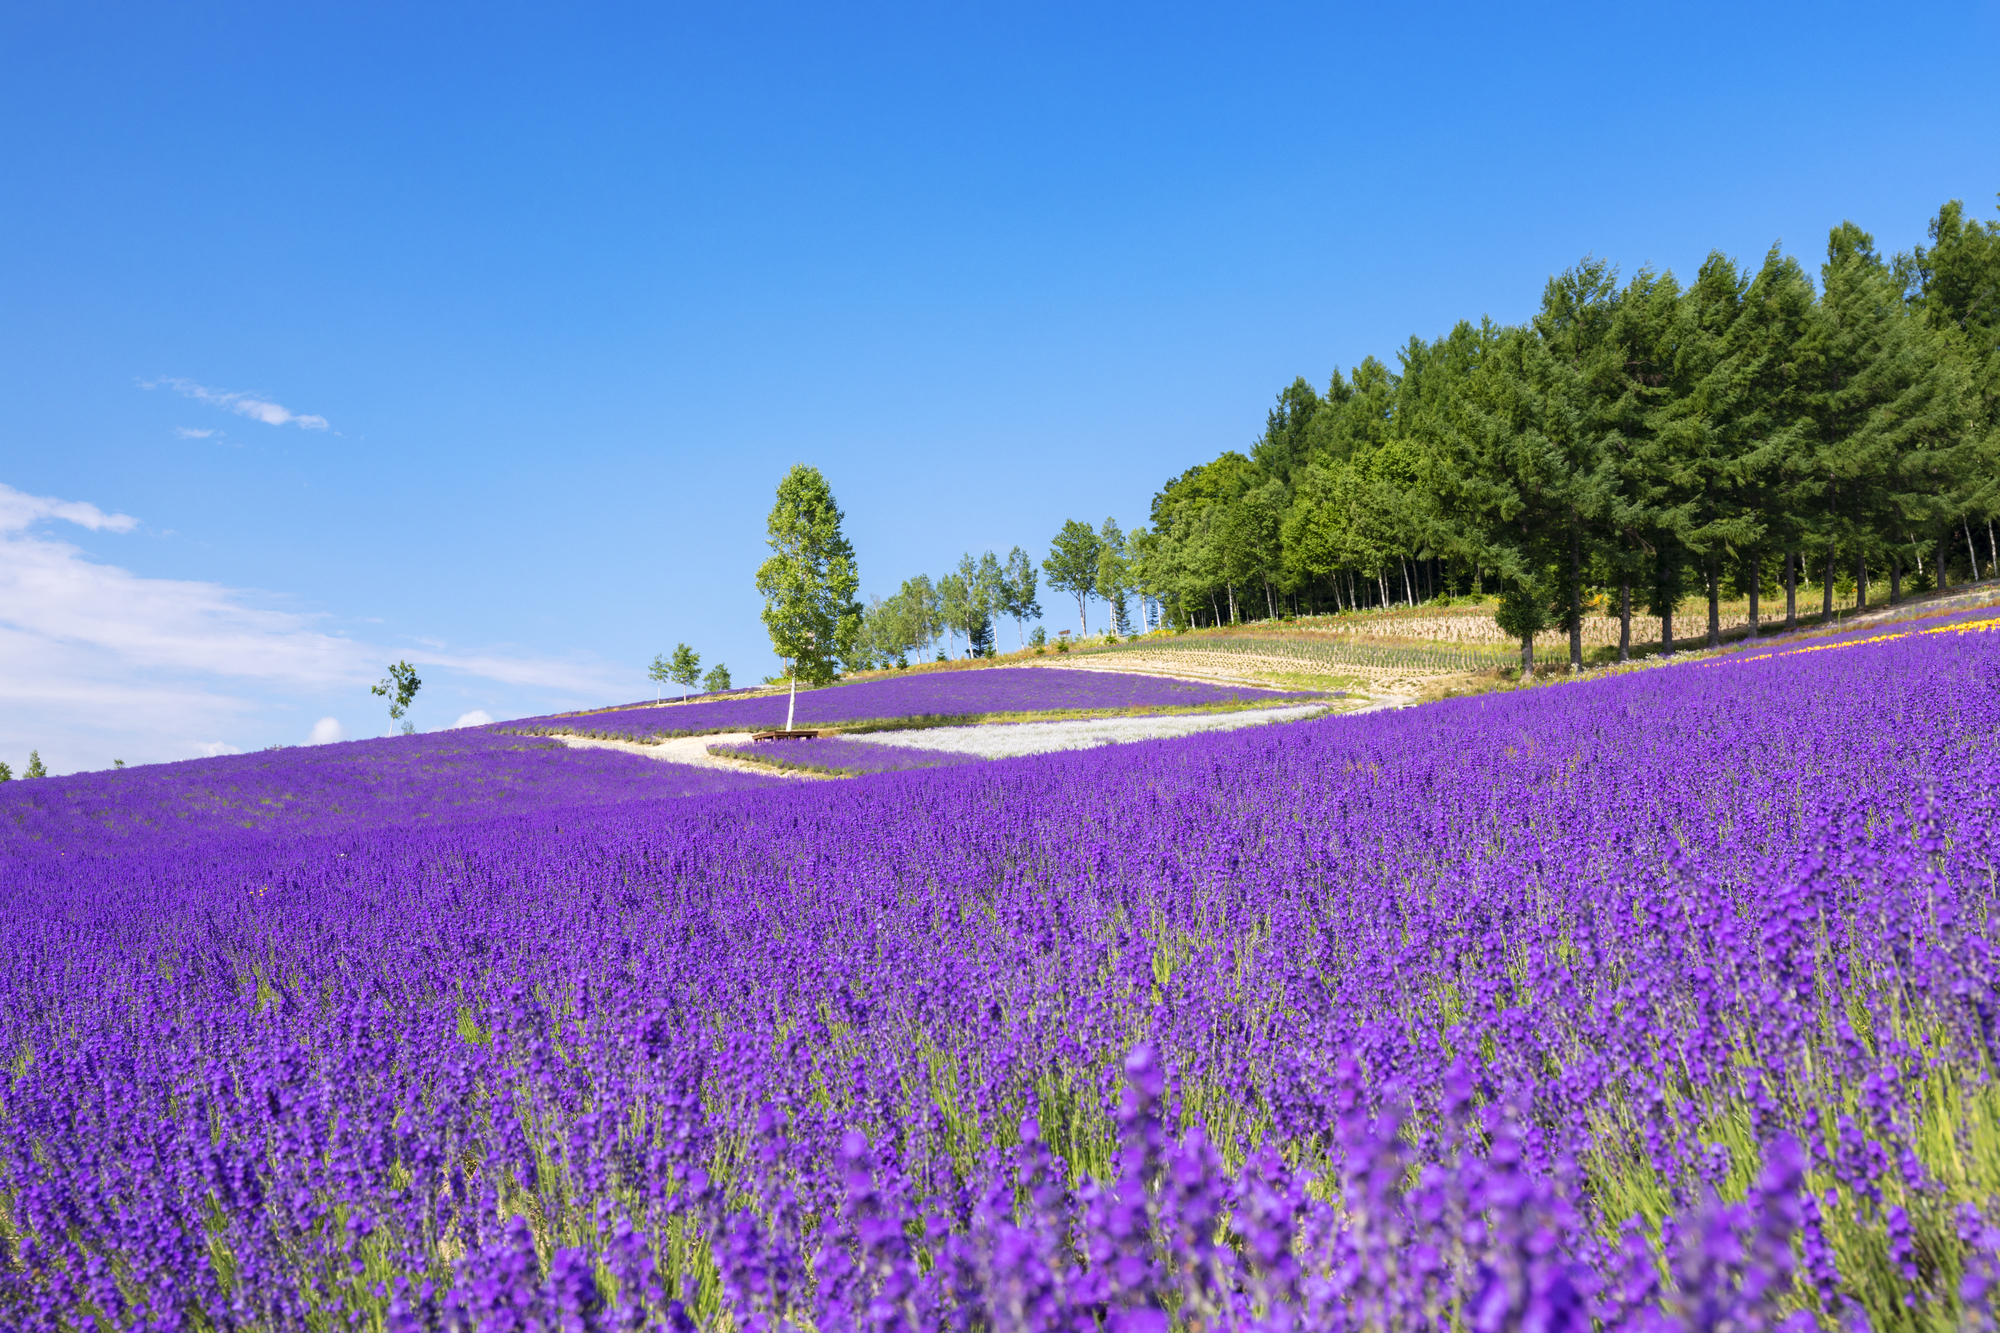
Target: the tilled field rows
pixel 1298 654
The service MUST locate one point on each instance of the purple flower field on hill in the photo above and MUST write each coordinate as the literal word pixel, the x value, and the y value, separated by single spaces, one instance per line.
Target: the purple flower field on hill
pixel 443 776
pixel 1660 1001
pixel 837 754
pixel 1879 632
pixel 957 695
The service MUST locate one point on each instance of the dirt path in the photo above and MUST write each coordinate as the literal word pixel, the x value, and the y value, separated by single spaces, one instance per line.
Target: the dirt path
pixel 692 750
pixel 1009 740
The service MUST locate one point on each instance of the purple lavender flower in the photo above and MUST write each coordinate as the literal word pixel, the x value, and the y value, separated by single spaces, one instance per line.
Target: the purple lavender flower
pixel 1366 1022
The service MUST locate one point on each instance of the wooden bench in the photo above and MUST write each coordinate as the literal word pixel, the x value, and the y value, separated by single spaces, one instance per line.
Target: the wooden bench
pixel 794 734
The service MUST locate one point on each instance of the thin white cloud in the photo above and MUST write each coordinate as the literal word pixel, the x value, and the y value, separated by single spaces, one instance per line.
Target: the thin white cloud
pixel 18 509
pixel 478 717
pixel 214 748
pixel 192 433
pixel 243 404
pixel 326 731
pixel 98 661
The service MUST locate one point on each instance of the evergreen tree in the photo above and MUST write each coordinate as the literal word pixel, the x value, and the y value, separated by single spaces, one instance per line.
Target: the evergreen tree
pixel 1954 286
pixel 34 768
pixel 1645 332
pixel 1758 392
pixel 1287 439
pixel 1517 469
pixel 990 578
pixel 1580 391
pixel 1708 432
pixel 1888 411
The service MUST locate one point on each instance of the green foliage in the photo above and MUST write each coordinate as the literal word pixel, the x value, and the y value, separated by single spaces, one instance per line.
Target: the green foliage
pixel 955 602
pixel 685 669
pixel 6 773
pixel 399 688
pixel 969 598
pixel 1643 437
pixel 1524 612
pixel 893 628
pixel 34 768
pixel 810 579
pixel 1114 574
pixel 1072 565
pixel 1017 590
pixel 717 679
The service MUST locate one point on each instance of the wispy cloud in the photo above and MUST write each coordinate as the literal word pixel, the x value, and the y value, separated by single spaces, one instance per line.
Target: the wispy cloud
pixel 18 509
pixel 98 661
pixel 243 404
pixel 191 433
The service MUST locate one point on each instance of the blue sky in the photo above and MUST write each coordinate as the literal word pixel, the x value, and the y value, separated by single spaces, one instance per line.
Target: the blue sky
pixel 481 335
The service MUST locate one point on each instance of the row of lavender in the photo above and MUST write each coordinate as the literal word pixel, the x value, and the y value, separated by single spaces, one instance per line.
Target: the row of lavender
pixel 1663 1001
pixel 954 696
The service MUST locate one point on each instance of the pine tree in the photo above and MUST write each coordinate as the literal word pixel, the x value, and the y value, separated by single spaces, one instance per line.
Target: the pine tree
pixel 1520 469
pixel 1578 327
pixel 1888 410
pixel 1646 333
pixel 1954 285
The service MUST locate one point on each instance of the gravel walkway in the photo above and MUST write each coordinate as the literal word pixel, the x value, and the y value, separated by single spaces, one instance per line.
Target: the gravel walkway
pixel 692 750
pixel 1007 740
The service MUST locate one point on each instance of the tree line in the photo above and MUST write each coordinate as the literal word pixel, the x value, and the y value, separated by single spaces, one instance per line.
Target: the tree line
pixel 925 615
pixel 35 768
pixel 819 627
pixel 1641 442
pixel 684 669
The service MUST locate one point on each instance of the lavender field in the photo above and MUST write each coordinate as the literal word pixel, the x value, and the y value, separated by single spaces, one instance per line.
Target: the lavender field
pixel 1660 1001
pixel 947 696
pixel 356 785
